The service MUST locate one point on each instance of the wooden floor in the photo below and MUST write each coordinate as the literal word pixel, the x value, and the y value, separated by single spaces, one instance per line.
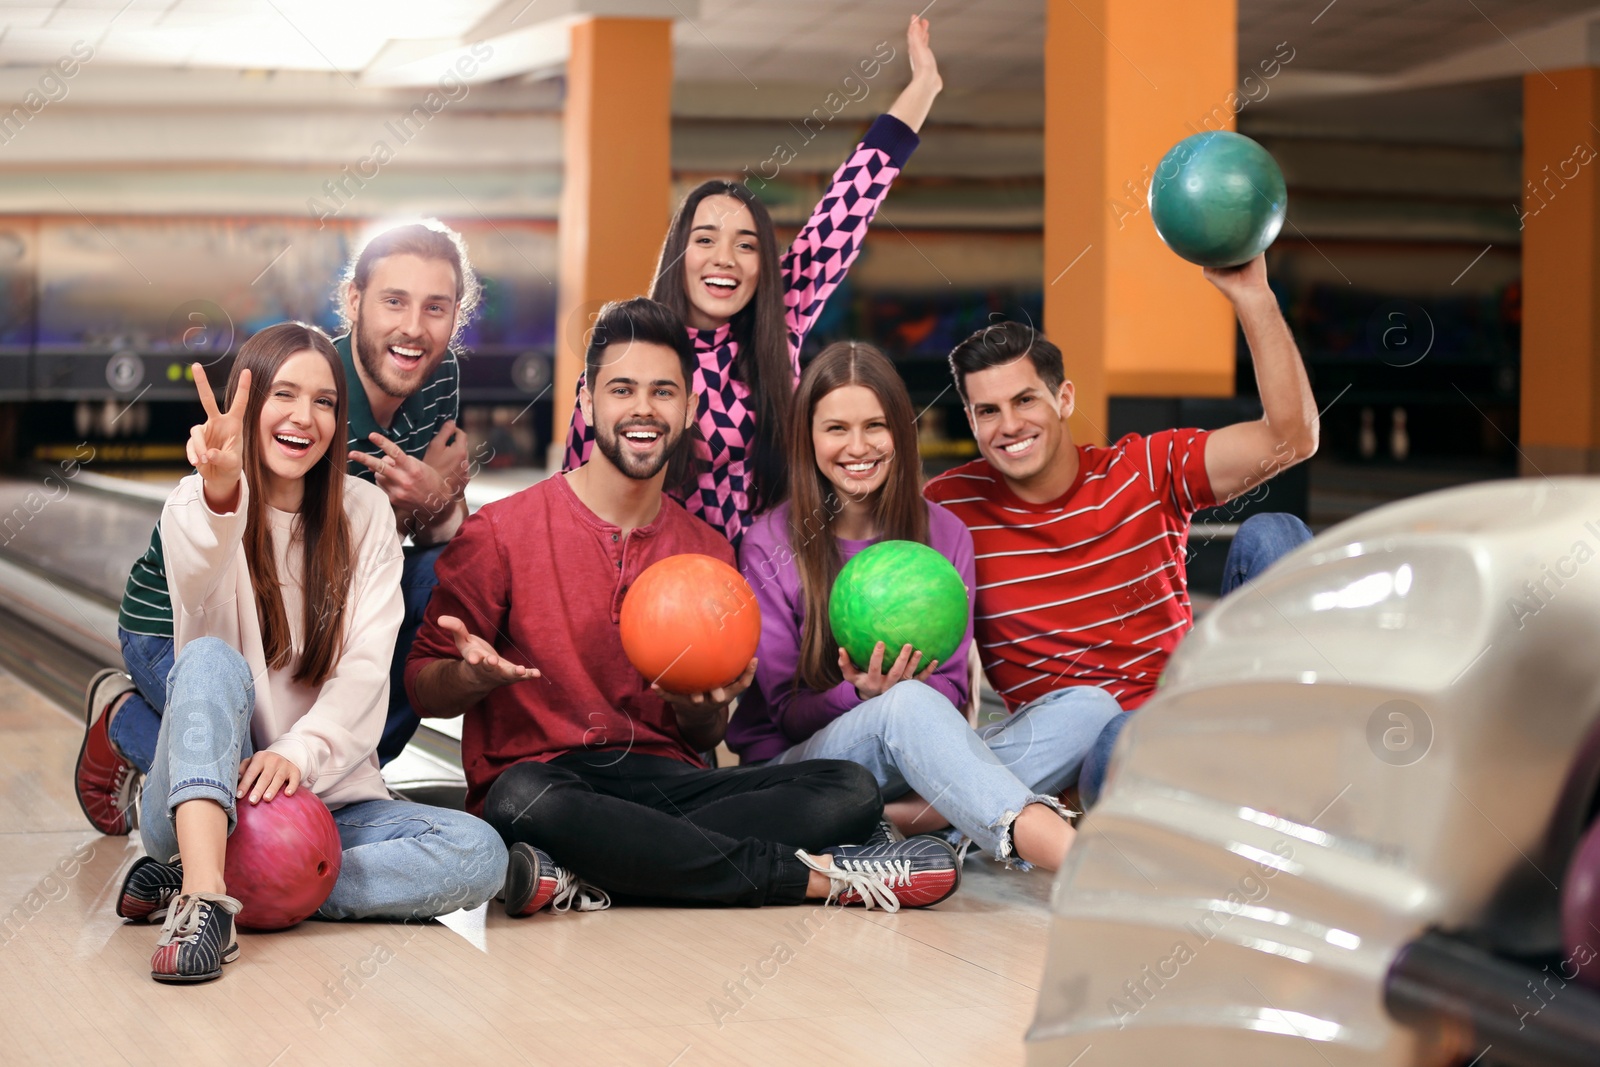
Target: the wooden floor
pixel 954 985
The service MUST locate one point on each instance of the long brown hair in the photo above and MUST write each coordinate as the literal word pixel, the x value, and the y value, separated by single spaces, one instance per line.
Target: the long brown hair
pixel 763 363
pixel 320 527
pixel 897 508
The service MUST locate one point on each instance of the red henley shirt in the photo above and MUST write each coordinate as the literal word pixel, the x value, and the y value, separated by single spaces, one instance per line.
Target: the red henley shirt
pixel 542 578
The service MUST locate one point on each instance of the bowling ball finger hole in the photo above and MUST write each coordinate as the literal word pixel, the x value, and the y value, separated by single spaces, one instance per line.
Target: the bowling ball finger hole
pixel 322 868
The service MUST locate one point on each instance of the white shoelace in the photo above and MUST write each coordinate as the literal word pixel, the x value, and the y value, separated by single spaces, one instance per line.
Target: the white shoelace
pixel 872 879
pixel 186 918
pixel 572 893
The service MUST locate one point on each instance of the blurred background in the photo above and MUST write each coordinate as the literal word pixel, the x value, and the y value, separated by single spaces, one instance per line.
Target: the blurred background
pixel 179 173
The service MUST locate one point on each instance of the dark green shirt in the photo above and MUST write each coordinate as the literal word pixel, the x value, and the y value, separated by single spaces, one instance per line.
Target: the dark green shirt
pixel 146 607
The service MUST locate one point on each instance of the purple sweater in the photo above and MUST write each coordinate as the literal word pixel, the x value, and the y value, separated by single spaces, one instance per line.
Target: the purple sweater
pixel 773 715
pixel 812 269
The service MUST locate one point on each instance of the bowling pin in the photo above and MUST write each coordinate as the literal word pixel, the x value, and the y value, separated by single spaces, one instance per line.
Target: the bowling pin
pixel 109 426
pixel 1368 443
pixel 82 419
pixel 1399 439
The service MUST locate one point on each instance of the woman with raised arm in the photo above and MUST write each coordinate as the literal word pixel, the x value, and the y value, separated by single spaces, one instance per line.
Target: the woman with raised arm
pixel 285 580
pixel 857 481
pixel 748 311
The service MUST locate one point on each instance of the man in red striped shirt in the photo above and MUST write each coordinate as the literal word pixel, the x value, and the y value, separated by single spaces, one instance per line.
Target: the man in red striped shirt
pixel 1081 548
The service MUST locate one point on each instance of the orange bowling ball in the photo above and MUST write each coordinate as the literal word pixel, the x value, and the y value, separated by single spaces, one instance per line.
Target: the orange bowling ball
pixel 690 623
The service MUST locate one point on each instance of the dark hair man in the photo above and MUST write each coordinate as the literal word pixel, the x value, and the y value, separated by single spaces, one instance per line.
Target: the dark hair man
pixel 589 771
pixel 1082 587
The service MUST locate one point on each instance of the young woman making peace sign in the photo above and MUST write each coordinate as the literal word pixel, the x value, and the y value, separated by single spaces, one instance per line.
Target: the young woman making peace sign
pixel 285 580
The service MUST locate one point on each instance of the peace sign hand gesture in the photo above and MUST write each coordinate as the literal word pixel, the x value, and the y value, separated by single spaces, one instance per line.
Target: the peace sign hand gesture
pixel 216 446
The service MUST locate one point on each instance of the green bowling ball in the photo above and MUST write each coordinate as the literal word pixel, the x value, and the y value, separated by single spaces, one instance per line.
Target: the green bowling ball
pixel 900 593
pixel 1218 199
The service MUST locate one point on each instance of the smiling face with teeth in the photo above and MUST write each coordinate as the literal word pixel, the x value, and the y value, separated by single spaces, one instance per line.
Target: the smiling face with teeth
pixel 722 262
pixel 851 439
pixel 297 423
pixel 639 407
pixel 402 322
pixel 1021 428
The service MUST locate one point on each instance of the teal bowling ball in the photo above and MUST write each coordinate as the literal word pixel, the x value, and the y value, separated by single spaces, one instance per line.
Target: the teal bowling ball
pixel 900 593
pixel 1218 199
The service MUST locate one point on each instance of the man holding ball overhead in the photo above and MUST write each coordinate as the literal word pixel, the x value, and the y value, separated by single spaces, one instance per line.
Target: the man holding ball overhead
pixel 1082 589
pixel 590 771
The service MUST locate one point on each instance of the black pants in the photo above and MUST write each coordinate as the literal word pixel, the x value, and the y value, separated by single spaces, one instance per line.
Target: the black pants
pixel 650 827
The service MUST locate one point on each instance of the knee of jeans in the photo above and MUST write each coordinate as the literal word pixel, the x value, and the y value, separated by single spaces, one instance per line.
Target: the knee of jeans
pixel 520 802
pixel 484 866
pixel 913 704
pixel 860 789
pixel 1104 706
pixel 1277 527
pixel 471 865
pixel 1084 702
pixel 215 658
pixel 851 787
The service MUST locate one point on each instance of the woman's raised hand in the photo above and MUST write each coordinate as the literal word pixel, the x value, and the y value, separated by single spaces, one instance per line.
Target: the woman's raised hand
pixel 216 446
pixel 916 99
pixel 923 64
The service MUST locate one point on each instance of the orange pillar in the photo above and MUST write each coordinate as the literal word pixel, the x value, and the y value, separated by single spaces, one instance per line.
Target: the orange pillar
pixel 1560 273
pixel 617 196
pixel 1125 80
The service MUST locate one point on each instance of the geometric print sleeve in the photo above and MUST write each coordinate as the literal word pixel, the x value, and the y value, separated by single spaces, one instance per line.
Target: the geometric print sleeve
pixel 830 240
pixel 821 253
pixel 580 438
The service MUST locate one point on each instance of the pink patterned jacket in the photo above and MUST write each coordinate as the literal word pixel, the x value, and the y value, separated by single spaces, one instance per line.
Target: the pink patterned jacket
pixel 812 268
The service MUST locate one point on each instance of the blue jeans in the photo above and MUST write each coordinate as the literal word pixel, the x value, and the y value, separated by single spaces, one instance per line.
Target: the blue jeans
pixel 149 661
pixel 913 738
pixel 417 582
pixel 400 860
pixel 138 723
pixel 1261 541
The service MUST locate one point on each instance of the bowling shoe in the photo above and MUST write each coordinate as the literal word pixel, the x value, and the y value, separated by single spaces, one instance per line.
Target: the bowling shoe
pixel 197 939
pixel 533 882
pixel 104 781
pixel 148 889
pixel 914 873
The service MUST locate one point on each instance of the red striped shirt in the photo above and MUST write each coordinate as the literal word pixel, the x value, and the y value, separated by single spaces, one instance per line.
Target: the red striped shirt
pixel 1090 588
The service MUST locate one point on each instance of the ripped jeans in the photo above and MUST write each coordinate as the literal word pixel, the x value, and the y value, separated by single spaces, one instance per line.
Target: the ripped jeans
pixel 913 738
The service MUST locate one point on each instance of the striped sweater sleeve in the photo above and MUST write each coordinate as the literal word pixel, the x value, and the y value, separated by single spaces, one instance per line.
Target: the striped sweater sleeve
pixel 831 239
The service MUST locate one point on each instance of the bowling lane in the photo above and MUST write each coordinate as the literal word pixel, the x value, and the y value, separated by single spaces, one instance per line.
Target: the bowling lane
pixel 87 530
pixel 74 531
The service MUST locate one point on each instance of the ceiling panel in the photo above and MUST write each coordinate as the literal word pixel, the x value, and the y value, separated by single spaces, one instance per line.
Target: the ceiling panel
pixel 990 43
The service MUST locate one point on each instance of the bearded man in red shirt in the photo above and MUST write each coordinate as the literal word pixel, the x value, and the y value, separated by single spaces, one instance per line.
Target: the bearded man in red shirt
pixel 590 773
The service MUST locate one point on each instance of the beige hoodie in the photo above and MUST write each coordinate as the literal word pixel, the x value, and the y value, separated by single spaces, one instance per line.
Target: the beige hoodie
pixel 330 732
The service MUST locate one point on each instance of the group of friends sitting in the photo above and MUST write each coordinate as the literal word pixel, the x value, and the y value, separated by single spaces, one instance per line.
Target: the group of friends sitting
pixel 316 586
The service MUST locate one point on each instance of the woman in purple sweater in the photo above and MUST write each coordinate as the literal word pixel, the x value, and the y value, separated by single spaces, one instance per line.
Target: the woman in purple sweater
pixel 855 433
pixel 748 311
